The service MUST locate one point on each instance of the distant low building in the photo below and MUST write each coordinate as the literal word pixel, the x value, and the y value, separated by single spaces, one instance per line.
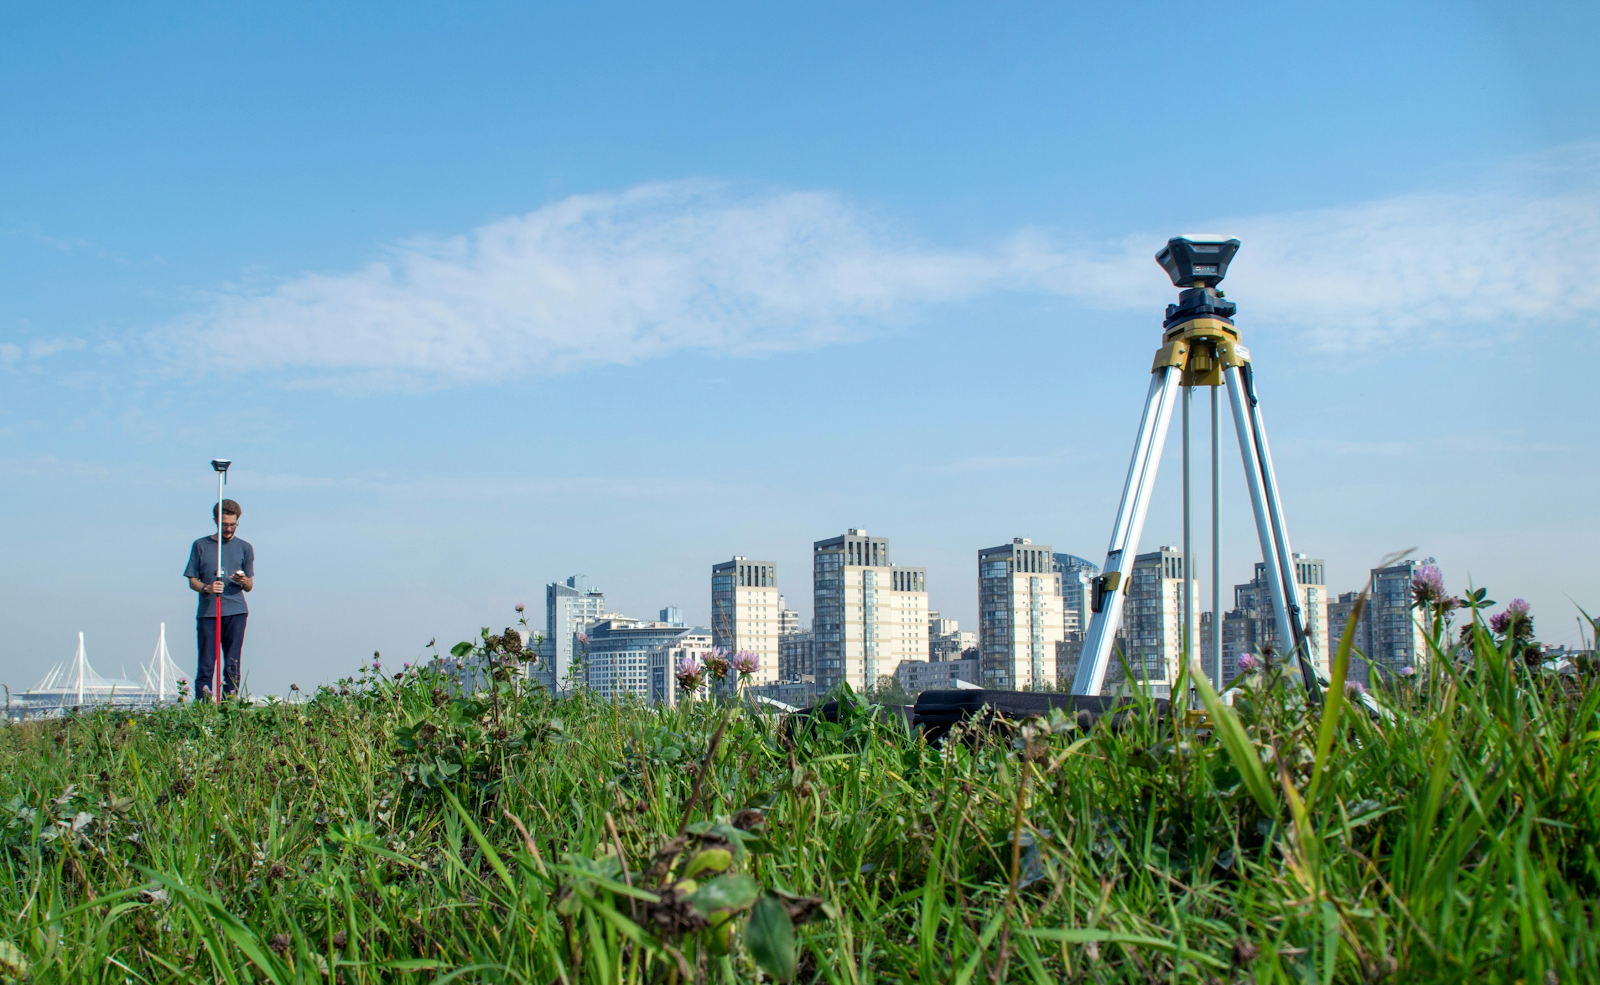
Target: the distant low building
pixel 951 645
pixel 923 675
pixel 662 664
pixel 1068 652
pixel 946 640
pixel 796 694
pixel 617 662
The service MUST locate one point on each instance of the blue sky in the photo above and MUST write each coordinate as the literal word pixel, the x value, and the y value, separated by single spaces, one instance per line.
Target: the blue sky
pixel 479 297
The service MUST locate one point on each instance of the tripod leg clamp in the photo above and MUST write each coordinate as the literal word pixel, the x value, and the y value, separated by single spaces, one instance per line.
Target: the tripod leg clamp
pixel 1170 355
pixel 1104 585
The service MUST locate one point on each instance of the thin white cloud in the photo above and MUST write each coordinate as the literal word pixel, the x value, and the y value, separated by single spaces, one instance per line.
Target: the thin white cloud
pixel 593 279
pixel 1445 267
pixel 14 356
pixel 619 278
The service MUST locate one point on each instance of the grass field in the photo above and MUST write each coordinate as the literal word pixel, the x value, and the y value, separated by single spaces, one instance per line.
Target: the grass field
pixel 387 831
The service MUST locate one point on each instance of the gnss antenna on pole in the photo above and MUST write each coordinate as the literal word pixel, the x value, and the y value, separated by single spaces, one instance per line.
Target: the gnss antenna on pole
pixel 1200 348
pixel 221 467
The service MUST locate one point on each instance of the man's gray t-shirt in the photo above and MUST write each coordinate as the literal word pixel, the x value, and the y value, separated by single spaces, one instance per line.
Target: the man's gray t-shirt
pixel 237 555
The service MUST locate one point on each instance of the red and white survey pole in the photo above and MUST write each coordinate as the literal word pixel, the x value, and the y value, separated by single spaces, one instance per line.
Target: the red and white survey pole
pixel 221 466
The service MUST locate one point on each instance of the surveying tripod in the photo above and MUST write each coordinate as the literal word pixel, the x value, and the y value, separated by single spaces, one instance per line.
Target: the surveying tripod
pixel 1200 347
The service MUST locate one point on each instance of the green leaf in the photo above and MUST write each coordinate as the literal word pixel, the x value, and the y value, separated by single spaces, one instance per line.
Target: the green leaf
pixel 1334 706
pixel 1240 749
pixel 483 843
pixel 725 893
pixel 712 859
pixel 14 964
pixel 461 649
pixel 770 937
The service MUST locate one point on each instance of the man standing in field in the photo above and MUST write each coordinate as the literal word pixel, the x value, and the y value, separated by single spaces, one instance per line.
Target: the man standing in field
pixel 239 559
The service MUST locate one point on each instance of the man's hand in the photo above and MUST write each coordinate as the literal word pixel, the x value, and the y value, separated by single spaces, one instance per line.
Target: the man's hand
pixel 241 579
pixel 216 588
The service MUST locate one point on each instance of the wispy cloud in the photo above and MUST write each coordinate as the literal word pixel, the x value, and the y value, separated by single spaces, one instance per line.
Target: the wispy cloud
pixel 694 265
pixel 16 357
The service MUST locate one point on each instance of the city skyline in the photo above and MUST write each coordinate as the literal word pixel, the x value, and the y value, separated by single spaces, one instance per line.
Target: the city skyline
pixel 1012 615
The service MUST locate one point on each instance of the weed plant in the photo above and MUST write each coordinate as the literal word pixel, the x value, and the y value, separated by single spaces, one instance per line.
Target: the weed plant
pixel 395 830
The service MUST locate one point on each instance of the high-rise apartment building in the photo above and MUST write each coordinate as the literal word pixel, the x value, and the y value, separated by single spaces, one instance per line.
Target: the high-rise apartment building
pixel 796 657
pixel 746 612
pixel 1152 618
pixel 1019 615
pixel 1253 624
pixel 1391 633
pixel 570 609
pixel 869 614
pixel 1077 576
pixel 788 619
pixel 1394 630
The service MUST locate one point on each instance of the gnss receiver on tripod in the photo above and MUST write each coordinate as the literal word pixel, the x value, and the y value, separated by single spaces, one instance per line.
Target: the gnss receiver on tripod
pixel 1200 348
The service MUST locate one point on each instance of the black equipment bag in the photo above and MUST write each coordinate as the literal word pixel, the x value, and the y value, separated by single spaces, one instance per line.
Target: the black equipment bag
pixel 936 711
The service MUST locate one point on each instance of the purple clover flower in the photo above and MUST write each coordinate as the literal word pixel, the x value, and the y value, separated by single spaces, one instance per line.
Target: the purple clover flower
pixel 1355 688
pixel 1407 671
pixel 1518 608
pixel 1249 663
pixel 583 638
pixel 716 662
pixel 1427 585
pixel 690 673
pixel 1500 622
pixel 746 663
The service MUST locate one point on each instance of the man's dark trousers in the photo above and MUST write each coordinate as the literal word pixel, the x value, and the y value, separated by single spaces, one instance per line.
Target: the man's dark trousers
pixel 232 644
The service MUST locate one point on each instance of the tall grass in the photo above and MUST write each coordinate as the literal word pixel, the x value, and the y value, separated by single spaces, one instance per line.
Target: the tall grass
pixel 397 833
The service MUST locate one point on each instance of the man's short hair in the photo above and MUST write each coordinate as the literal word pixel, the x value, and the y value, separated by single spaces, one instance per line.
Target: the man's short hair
pixel 229 508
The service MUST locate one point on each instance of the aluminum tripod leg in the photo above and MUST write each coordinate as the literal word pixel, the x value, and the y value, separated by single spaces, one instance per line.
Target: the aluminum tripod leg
pixel 1282 581
pixel 1189 621
pixel 1301 633
pixel 1092 665
pixel 1216 542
